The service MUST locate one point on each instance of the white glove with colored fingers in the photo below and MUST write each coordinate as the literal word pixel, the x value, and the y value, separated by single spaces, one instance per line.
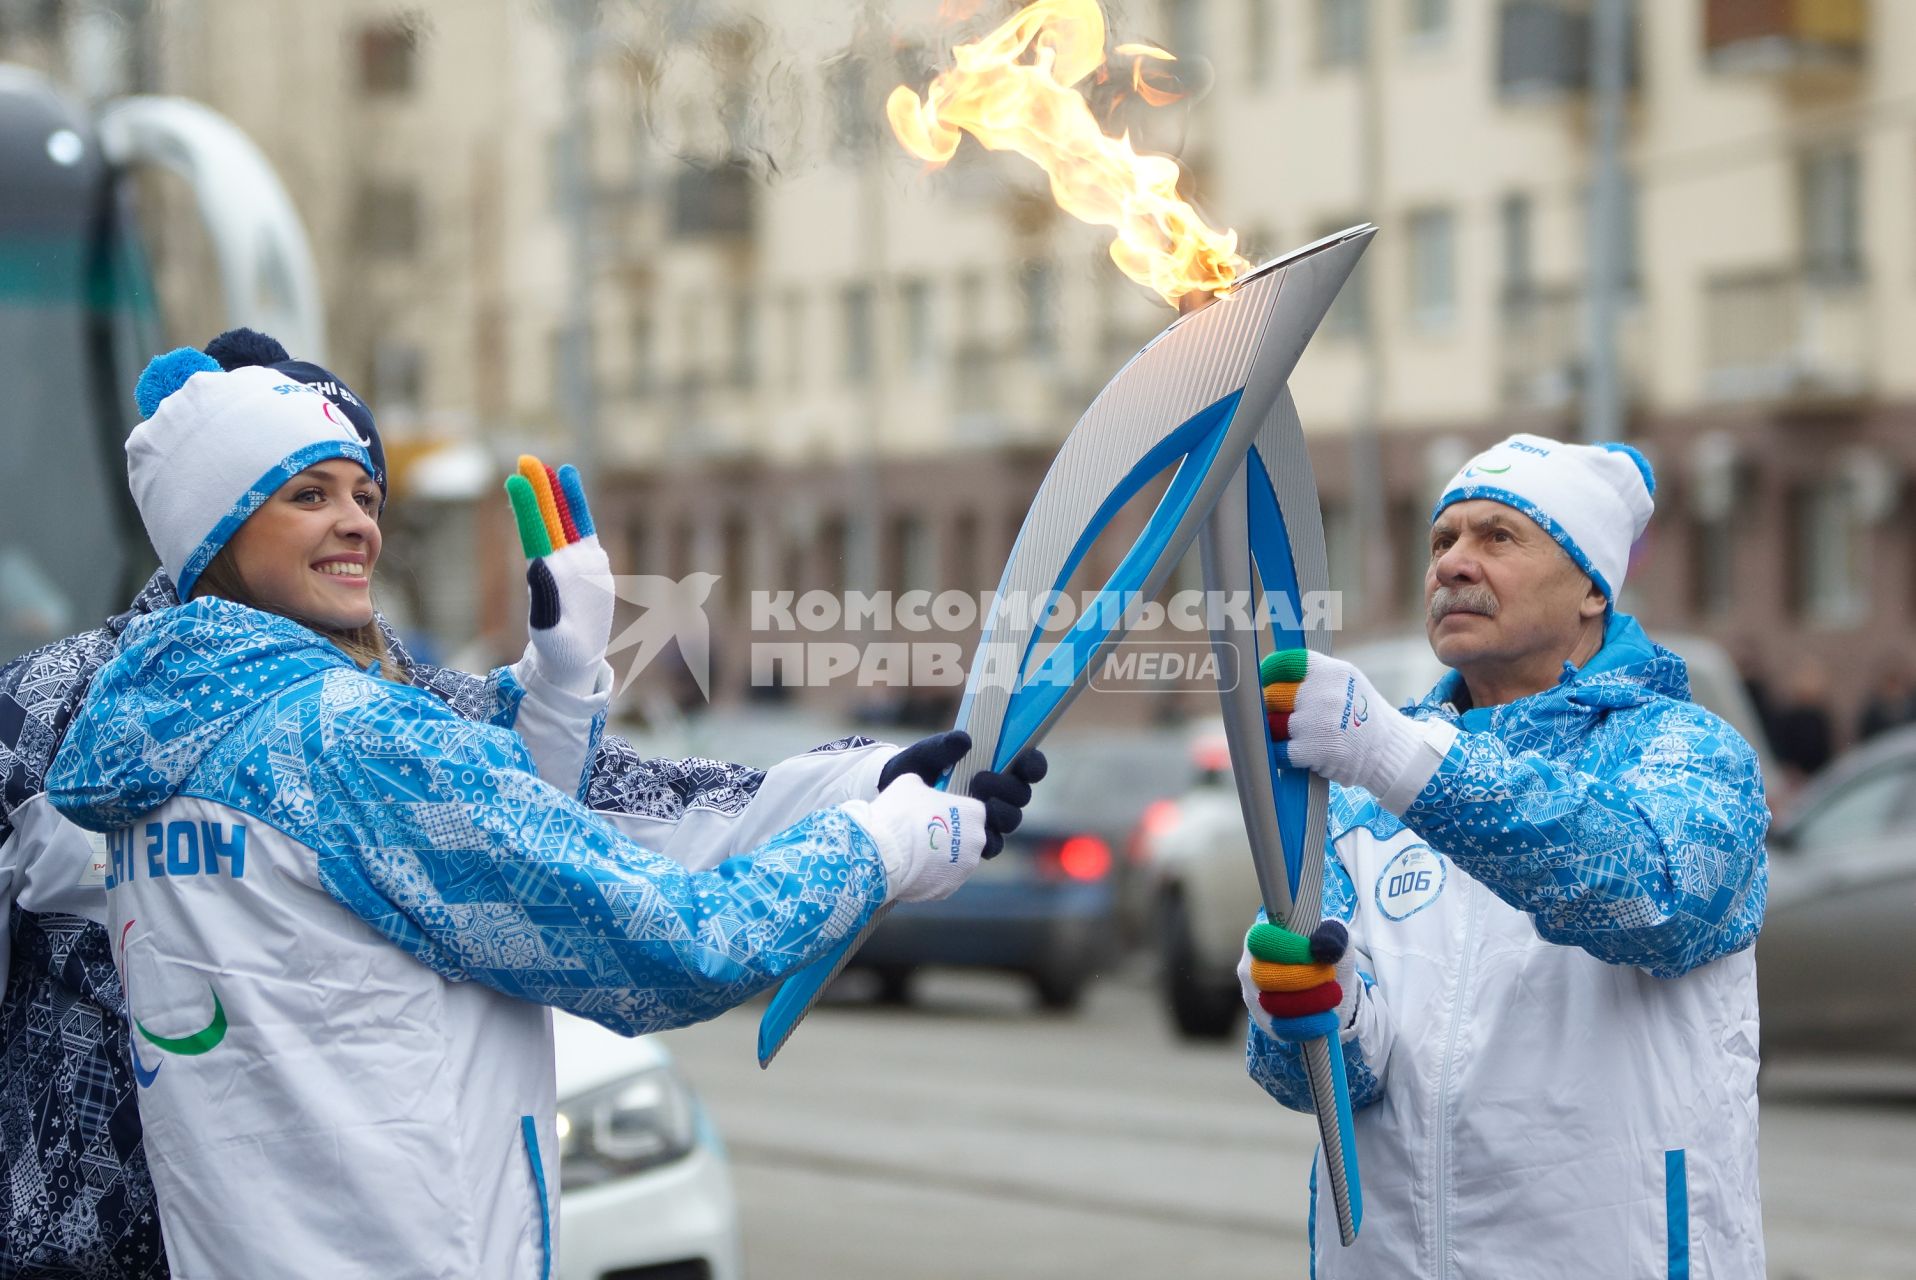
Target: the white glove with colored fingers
pixel 1328 718
pixel 569 579
pixel 930 840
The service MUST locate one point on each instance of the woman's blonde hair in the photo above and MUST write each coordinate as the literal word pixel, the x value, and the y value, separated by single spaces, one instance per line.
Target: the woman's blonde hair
pixel 365 645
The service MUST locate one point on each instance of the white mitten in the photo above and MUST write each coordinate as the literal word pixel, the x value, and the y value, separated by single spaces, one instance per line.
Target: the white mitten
pixel 1328 718
pixel 569 579
pixel 930 840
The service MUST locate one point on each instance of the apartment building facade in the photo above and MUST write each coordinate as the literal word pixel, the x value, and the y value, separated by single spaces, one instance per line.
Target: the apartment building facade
pixel 816 365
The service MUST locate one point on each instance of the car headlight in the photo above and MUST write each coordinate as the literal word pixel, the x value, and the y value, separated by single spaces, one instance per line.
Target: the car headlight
pixel 633 1124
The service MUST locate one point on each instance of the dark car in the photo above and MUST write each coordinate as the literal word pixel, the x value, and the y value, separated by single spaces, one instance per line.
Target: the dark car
pixel 1049 906
pixel 1837 953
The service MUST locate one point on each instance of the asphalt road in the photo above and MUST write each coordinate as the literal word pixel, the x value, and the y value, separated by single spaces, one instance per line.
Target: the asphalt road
pixel 970 1136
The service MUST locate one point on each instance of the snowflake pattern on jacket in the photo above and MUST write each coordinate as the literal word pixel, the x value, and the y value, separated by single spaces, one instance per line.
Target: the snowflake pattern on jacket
pixel 76 1199
pixel 1622 817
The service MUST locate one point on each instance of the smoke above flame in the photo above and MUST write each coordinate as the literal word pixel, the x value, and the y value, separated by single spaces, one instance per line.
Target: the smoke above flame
pixel 1016 89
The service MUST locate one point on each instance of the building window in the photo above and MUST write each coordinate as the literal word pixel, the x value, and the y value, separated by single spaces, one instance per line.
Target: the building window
pixel 399 377
pixel 792 308
pixel 1260 19
pixel 1184 23
pixel 1830 586
pixel 962 554
pixel 742 372
pixel 853 118
pixel 1341 33
pixel 1832 213
pixel 387 52
pixel 645 357
pixel 1433 268
pixel 386 219
pixel 692 342
pixel 1428 20
pixel 1713 567
pixel 735 535
pixel 855 308
pixel 971 308
pixel 1515 233
pixel 1038 290
pixel 834 551
pixel 913 560
pixel 914 299
pixel 1343 549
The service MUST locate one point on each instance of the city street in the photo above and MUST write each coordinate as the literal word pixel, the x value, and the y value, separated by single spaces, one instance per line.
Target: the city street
pixel 969 1136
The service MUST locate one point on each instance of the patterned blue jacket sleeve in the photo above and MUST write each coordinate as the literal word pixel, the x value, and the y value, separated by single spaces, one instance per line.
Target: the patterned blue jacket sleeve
pixel 437 833
pixel 1278 1065
pixel 1660 866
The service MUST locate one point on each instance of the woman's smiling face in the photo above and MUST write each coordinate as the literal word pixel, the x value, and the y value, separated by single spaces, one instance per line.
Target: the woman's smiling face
pixel 308 552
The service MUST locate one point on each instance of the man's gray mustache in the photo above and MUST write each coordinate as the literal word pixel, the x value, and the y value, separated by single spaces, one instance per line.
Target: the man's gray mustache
pixel 1449 600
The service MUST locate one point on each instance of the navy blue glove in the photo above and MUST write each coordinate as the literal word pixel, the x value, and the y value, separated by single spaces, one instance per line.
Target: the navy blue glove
pixel 1004 794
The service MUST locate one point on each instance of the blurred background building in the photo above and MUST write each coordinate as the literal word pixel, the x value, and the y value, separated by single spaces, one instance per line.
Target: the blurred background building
pixel 675 241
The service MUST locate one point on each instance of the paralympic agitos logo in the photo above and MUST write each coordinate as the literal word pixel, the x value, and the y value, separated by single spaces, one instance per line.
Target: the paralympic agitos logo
pixel 204 1040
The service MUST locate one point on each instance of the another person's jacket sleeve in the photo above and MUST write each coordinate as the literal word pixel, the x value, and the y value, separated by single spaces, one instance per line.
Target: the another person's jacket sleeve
pixel 695 811
pixel 1278 1065
pixel 1659 864
pixel 439 835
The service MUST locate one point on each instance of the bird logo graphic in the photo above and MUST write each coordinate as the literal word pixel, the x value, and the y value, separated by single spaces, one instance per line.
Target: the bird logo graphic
pixel 674 609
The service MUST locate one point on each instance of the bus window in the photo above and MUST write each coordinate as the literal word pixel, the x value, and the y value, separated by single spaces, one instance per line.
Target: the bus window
pixel 76 321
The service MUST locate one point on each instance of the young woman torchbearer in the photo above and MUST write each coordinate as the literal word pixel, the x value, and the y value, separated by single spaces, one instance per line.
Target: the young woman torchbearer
pixel 342 912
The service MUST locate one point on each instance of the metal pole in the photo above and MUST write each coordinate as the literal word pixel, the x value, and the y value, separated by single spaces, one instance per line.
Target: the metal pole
pixel 1371 552
pixel 866 520
pixel 580 393
pixel 1602 397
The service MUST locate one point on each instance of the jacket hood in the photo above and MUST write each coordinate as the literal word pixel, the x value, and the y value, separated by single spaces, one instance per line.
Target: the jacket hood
pixel 1630 670
pixel 184 678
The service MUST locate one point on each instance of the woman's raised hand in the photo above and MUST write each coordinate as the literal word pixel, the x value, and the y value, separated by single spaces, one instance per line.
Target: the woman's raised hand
pixel 570 577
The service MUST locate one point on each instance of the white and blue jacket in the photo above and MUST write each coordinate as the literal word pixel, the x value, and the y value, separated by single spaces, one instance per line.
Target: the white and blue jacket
pixel 1555 1053
pixel 341 912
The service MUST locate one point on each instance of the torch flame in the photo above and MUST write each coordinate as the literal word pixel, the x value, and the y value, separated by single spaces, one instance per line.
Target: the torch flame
pixel 1014 90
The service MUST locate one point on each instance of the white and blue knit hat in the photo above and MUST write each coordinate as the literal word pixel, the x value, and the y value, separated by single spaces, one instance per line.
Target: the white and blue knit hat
pixel 216 445
pixel 1595 500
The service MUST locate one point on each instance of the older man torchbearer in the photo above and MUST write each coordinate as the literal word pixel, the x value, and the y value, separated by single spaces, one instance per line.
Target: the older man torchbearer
pixel 1551 870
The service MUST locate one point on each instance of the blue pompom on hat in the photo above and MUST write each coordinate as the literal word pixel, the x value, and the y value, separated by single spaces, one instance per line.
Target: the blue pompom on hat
pixel 166 374
pixel 216 444
pixel 1595 500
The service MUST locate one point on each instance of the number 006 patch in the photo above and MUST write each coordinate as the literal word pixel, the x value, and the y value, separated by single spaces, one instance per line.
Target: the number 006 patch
pixel 1411 881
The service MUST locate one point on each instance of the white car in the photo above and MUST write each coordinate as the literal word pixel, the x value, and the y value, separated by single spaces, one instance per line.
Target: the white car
pixel 645 1187
pixel 1203 889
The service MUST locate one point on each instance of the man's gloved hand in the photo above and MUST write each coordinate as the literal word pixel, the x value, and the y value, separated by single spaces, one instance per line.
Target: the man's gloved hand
pixel 930 840
pixel 1298 988
pixel 570 577
pixel 1326 717
pixel 1004 793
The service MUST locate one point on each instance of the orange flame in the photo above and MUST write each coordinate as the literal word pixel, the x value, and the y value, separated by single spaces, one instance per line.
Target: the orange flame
pixel 1151 93
pixel 1013 90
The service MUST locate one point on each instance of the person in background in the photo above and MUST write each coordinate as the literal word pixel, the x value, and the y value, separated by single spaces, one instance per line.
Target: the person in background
pixel 1802 731
pixel 1892 703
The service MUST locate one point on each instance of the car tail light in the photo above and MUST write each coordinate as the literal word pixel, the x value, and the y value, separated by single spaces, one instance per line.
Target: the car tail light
pixel 1159 816
pixel 1081 858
